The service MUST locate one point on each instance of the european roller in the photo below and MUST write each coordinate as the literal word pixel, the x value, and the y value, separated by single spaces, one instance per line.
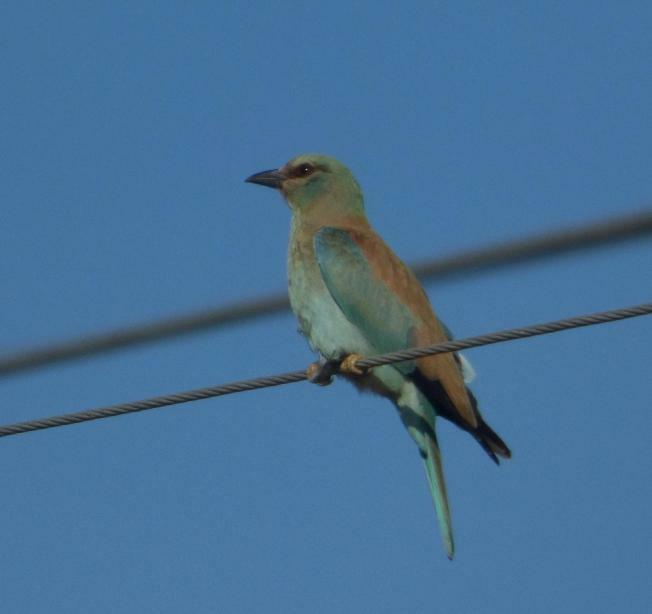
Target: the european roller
pixel 354 297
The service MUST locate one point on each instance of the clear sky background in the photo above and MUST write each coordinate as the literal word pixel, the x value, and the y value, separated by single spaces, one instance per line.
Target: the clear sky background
pixel 126 132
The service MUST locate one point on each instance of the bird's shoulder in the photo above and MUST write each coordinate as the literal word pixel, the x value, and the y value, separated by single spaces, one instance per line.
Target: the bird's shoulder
pixel 387 267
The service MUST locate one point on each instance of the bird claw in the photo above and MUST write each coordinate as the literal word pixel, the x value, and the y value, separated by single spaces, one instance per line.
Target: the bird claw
pixel 349 367
pixel 321 372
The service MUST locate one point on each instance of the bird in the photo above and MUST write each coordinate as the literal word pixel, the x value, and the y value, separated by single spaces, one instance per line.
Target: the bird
pixel 354 297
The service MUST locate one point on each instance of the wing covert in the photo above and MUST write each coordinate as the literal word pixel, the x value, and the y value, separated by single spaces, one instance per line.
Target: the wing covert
pixel 365 300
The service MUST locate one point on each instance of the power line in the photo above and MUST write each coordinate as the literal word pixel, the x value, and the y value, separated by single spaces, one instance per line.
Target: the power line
pixel 298 376
pixel 530 248
pixel 511 334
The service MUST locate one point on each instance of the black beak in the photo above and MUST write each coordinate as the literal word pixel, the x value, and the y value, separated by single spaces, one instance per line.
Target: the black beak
pixel 271 179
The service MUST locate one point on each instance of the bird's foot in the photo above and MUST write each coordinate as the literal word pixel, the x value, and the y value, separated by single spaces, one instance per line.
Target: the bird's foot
pixel 322 372
pixel 349 367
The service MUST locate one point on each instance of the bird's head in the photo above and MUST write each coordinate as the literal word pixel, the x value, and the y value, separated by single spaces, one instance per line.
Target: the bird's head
pixel 315 184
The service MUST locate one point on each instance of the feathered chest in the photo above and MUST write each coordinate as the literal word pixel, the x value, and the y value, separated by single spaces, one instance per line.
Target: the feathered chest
pixel 320 319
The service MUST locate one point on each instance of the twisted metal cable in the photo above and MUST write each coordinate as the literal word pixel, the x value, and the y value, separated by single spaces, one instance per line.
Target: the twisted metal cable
pixel 538 246
pixel 298 376
pixel 507 335
pixel 153 403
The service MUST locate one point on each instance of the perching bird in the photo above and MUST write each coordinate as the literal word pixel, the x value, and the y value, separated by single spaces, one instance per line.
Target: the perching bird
pixel 354 297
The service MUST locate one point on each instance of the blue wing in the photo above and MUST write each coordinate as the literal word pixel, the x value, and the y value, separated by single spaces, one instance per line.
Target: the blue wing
pixel 365 300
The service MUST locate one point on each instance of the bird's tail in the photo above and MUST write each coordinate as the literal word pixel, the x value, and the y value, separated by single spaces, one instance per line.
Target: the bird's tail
pixel 423 433
pixel 435 474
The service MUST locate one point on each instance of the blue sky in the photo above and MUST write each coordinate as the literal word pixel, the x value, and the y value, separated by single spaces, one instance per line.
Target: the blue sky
pixel 127 131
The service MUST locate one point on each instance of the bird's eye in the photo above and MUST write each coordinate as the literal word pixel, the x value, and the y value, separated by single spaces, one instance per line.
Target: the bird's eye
pixel 303 170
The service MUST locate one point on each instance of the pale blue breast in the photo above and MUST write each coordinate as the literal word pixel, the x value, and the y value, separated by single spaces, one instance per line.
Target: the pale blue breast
pixel 320 319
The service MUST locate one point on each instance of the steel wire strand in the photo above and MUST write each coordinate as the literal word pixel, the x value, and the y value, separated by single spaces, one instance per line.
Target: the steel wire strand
pixel 298 376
